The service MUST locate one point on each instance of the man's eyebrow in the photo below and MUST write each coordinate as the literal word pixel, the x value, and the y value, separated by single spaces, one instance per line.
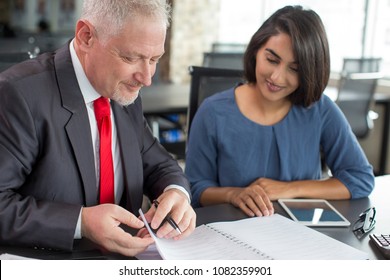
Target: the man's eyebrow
pixel 158 56
pixel 139 55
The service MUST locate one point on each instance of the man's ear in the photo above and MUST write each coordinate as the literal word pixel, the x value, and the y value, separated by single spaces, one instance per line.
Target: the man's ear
pixel 85 34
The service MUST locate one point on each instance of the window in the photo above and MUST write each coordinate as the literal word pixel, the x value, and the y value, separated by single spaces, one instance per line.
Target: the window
pixel 355 28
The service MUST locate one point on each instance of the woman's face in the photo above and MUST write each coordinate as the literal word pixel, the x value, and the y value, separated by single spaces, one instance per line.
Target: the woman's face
pixel 276 68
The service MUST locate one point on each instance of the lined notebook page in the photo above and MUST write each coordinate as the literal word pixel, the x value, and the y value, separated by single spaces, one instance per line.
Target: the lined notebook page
pixel 273 237
pixel 203 244
pixel 284 239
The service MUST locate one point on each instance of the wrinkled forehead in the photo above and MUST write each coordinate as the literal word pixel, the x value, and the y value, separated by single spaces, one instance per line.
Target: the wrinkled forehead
pixel 144 38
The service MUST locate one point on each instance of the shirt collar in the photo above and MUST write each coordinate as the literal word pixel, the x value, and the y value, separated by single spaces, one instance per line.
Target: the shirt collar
pixel 87 90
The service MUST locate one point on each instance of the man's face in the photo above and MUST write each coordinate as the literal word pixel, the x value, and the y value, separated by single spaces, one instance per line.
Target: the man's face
pixel 119 67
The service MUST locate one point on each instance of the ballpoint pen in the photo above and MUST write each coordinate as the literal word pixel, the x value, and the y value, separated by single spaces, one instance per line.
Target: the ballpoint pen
pixel 169 219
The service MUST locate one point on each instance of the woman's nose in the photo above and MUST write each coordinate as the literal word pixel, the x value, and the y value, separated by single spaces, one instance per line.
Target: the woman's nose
pixel 278 74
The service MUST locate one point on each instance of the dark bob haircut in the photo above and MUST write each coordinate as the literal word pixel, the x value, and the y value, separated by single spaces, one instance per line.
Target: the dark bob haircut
pixel 310 47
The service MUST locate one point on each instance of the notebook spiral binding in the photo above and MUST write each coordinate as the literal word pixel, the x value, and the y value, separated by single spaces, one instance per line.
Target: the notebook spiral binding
pixel 241 243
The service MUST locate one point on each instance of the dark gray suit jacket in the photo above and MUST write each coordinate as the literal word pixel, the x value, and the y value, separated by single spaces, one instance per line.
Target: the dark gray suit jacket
pixel 47 168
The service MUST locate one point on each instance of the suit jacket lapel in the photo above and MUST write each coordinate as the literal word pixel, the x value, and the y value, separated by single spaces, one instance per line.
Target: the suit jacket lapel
pixel 78 125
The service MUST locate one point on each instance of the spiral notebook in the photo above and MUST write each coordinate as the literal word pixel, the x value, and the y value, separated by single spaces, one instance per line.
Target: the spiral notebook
pixel 265 238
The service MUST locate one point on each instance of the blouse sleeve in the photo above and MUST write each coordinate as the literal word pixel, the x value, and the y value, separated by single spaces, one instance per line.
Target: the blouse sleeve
pixel 201 156
pixel 343 153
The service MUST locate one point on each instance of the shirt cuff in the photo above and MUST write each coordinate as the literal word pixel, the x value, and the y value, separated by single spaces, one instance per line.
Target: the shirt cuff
pixel 77 232
pixel 180 188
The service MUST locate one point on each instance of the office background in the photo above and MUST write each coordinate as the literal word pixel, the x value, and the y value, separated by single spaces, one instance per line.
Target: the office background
pixel 356 28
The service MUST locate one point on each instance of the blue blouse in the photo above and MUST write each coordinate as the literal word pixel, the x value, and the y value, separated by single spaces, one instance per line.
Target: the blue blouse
pixel 227 149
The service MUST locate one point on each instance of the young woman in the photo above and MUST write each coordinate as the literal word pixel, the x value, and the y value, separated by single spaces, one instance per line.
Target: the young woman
pixel 263 140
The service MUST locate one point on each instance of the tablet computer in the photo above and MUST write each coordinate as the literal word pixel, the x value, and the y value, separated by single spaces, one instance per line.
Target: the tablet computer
pixel 313 212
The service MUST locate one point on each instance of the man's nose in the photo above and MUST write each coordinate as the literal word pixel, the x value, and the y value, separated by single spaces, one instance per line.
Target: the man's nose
pixel 145 73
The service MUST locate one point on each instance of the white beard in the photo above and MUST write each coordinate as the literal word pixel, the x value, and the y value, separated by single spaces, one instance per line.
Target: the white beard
pixel 124 100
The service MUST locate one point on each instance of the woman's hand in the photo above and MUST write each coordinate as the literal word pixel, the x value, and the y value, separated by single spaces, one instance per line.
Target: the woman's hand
pixel 275 189
pixel 252 200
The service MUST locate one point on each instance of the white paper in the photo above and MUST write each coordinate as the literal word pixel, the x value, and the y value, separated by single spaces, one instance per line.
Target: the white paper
pixel 150 253
pixel 284 239
pixel 273 237
pixel 7 256
pixel 203 244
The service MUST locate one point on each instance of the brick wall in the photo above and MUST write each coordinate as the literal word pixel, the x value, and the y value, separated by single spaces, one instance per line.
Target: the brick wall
pixel 195 27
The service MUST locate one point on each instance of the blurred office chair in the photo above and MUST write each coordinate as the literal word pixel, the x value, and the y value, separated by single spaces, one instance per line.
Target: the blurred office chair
pixel 355 99
pixel 225 60
pixel 206 81
pixel 9 59
pixel 229 47
pixel 361 65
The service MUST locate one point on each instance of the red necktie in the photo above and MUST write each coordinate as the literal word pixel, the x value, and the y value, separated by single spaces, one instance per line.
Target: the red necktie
pixel 103 118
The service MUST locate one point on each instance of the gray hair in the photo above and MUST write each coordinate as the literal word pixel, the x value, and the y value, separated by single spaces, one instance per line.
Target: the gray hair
pixel 109 16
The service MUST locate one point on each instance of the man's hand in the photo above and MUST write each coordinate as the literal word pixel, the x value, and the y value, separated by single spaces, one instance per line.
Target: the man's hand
pixel 175 203
pixel 101 223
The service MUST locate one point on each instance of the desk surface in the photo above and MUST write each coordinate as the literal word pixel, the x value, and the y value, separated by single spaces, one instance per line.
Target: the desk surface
pixel 380 198
pixel 165 98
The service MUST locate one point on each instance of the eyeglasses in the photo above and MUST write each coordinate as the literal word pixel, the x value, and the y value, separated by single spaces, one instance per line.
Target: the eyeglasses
pixel 366 221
